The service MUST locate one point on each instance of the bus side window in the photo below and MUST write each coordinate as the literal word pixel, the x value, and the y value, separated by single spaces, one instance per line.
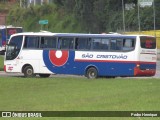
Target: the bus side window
pixel 83 43
pixel 79 44
pixel 52 42
pixel 128 44
pixel 65 43
pixel 31 42
pixel 113 44
pixel 42 44
pixel 116 44
pixel 105 44
pixel 89 41
pixel 76 44
pixel 119 44
pixel 48 42
pixel 97 44
pixel 25 42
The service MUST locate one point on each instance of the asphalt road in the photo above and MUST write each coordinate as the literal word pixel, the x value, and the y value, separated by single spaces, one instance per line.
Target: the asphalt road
pixel 158 70
pixel 3 74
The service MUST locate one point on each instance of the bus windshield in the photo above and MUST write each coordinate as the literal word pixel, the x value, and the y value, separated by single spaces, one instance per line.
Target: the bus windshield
pixel 13 48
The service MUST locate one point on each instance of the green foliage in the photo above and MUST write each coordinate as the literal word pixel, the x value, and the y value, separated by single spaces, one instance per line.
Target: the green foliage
pixel 94 16
pixel 59 19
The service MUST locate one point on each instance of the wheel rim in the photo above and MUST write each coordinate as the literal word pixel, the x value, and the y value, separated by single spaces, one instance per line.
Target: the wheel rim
pixel 92 74
pixel 29 72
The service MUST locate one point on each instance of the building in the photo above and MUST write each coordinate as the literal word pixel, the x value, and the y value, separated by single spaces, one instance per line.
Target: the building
pixel 28 3
pixel 8 1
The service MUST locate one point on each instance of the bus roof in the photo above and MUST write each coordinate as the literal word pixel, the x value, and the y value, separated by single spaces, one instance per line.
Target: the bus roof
pixel 75 34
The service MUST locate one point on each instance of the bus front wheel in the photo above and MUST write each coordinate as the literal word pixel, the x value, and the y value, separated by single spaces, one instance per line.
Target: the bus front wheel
pixel 28 72
pixel 92 73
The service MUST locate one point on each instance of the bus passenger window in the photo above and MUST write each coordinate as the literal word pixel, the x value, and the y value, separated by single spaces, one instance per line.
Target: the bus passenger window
pixel 31 42
pixel 52 42
pixel 43 45
pixel 116 44
pixel 97 45
pixel 105 44
pixel 128 44
pixel 48 42
pixel 83 43
pixel 66 43
pixel 100 44
pixel 79 43
pixel 119 44
pixel 113 45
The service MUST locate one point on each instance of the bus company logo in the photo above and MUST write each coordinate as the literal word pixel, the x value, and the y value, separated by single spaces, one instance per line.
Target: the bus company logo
pixel 10 68
pixel 58 57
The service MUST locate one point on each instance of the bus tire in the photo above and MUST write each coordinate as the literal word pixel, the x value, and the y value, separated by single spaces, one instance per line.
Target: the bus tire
pixel 44 75
pixel 91 73
pixel 28 72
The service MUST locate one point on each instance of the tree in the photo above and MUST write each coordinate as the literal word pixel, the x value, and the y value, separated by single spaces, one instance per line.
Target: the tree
pixel 84 12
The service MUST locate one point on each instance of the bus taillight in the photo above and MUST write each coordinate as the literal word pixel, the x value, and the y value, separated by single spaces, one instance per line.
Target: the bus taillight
pixel 4 67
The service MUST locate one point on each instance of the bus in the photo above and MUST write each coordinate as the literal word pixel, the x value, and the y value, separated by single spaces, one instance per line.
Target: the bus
pixel 90 55
pixel 5 33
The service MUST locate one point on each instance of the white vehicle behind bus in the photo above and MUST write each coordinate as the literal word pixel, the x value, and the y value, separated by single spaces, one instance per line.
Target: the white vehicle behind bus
pixel 5 33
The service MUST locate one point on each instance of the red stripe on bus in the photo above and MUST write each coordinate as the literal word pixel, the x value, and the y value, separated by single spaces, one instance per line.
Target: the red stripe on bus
pixel 138 62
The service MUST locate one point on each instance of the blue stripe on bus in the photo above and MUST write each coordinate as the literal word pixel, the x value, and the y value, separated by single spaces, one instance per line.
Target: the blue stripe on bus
pixel 79 68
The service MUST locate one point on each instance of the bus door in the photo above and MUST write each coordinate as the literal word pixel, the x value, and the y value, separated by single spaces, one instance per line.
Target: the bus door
pixel 12 51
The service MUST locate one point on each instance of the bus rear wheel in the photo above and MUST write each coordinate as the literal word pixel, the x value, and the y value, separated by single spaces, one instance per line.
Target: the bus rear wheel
pixel 92 73
pixel 28 72
pixel 44 75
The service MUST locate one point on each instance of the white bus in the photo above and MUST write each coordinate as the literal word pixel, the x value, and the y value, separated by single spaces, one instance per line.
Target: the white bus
pixel 92 55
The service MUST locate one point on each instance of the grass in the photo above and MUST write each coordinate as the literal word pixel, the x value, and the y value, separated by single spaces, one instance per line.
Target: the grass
pixel 1 63
pixel 79 94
